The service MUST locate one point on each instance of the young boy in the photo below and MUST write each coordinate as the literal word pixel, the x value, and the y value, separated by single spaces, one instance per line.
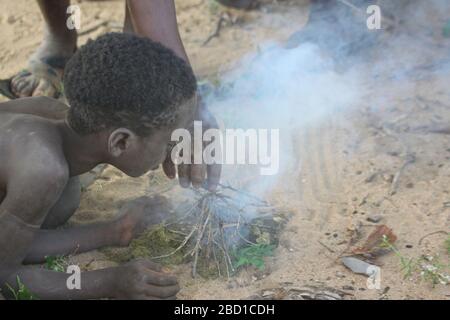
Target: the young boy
pixel 126 95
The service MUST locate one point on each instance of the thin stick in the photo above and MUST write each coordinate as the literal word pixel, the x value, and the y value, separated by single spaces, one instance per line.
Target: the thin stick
pixel 216 33
pixel 225 248
pixel 409 159
pixel 197 246
pixel 180 247
pixel 224 256
pixel 430 234
pixel 246 240
pixel 244 193
pixel 326 247
pixel 177 232
pixel 111 24
pixel 217 262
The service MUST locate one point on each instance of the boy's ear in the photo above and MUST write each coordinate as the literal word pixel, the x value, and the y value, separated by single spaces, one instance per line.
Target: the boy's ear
pixel 120 141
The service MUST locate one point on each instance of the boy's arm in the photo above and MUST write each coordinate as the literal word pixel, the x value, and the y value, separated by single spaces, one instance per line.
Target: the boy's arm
pixel 35 182
pixel 31 193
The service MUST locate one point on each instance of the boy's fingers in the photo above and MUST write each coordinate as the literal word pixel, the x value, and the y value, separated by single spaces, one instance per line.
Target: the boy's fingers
pixel 161 292
pixel 162 280
pixel 214 171
pixel 151 265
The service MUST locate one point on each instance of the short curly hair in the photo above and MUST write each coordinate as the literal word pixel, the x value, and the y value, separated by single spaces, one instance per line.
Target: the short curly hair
pixel 124 80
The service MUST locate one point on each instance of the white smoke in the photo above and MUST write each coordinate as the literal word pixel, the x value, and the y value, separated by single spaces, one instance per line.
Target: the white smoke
pixel 285 89
pixel 288 89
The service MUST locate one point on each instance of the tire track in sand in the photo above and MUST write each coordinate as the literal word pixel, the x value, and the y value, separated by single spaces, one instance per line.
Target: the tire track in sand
pixel 320 172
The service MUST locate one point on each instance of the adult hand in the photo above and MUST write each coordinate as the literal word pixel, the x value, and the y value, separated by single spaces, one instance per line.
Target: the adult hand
pixel 198 175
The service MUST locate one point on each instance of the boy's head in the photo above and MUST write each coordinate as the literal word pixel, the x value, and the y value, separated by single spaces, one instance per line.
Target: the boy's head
pixel 132 91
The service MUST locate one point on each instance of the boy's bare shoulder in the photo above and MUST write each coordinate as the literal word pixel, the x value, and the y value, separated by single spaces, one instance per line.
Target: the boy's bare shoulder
pixel 38 106
pixel 31 145
pixel 33 168
pixel 34 145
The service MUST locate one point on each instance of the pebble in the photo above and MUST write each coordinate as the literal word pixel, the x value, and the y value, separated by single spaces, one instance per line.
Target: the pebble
pixel 348 288
pixel 374 218
pixel 358 266
pixel 268 293
pixel 410 185
pixel 11 19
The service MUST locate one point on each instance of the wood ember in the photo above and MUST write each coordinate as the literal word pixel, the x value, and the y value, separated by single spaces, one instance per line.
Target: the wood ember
pixel 375 239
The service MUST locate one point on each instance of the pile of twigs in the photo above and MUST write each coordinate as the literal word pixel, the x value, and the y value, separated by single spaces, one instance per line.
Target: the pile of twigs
pixel 216 224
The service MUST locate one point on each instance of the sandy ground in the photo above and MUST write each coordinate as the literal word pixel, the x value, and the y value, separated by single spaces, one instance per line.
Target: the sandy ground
pixel 346 166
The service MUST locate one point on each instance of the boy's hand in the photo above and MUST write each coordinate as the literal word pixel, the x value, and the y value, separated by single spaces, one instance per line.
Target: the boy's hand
pixel 138 215
pixel 144 280
pixel 197 173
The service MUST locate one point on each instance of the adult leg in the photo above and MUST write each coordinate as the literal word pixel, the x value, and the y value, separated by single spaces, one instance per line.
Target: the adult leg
pixel 156 19
pixel 128 24
pixel 337 29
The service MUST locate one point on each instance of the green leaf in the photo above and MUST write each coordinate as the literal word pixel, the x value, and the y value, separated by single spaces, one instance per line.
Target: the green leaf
pixel 253 255
pixel 57 264
pixel 22 293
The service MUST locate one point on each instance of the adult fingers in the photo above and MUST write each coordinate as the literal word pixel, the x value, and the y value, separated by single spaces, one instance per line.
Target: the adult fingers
pixel 169 167
pixel 198 174
pixel 184 175
pixel 214 171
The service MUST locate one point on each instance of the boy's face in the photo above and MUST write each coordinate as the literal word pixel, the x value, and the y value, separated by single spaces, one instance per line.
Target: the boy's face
pixel 138 155
pixel 145 153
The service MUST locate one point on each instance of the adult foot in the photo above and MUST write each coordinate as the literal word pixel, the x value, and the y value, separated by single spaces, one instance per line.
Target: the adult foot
pixel 43 76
